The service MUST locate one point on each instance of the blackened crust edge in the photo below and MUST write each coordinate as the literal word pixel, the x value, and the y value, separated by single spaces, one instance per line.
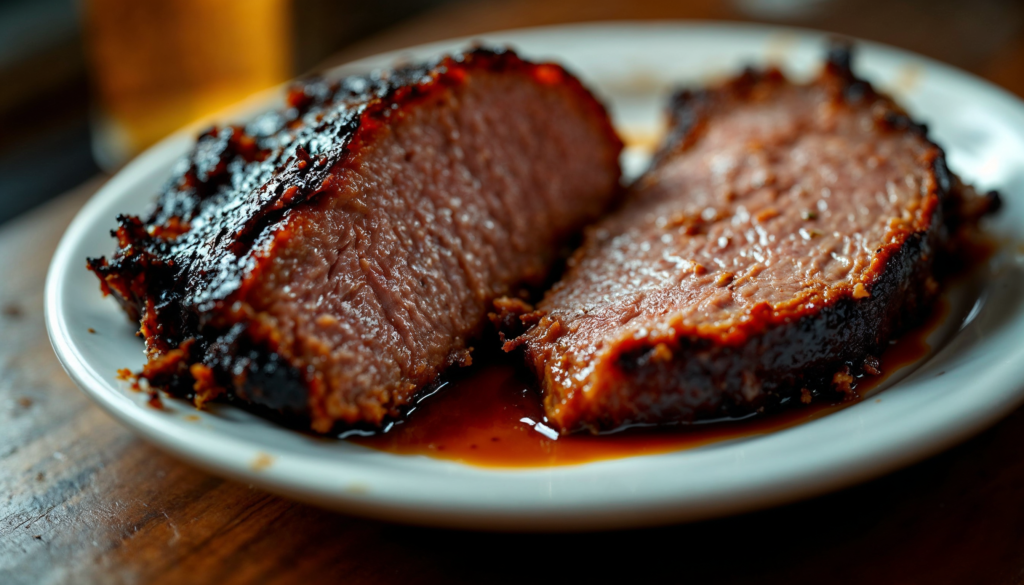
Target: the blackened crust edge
pixel 785 359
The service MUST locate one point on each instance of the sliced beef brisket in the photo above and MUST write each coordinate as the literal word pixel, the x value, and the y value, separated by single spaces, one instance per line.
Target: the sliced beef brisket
pixel 784 234
pixel 331 259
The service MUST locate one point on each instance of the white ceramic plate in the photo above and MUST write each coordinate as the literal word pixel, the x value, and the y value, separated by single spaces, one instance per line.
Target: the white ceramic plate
pixel 974 375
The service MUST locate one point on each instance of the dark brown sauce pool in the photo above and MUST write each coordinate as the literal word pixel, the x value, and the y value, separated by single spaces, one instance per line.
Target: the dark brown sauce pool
pixel 492 417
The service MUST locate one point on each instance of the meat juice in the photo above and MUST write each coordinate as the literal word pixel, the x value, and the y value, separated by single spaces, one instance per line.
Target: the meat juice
pixel 491 416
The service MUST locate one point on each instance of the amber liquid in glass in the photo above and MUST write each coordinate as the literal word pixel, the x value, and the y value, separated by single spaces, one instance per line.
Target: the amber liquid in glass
pixel 157 65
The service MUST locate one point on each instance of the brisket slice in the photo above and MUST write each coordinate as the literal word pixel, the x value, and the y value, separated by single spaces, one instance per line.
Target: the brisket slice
pixel 329 260
pixel 784 234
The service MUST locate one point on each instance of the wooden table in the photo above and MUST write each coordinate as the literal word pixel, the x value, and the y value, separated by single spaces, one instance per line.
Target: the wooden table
pixel 83 500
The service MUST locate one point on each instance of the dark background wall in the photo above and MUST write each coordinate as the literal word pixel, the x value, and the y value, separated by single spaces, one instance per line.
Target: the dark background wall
pixel 47 104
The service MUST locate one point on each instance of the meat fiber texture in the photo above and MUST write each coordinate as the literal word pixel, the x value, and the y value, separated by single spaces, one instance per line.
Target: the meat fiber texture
pixel 328 261
pixel 784 234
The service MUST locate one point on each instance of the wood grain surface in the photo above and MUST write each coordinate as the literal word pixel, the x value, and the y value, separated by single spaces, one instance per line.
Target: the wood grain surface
pixel 82 500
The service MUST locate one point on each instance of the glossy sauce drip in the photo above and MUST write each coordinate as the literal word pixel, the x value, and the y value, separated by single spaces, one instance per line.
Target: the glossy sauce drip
pixel 492 416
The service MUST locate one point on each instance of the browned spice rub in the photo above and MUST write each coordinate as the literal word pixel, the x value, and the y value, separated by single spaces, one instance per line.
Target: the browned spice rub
pixel 329 260
pixel 784 234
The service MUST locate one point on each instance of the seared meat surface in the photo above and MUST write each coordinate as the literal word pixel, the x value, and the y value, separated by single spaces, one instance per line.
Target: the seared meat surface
pixel 330 260
pixel 784 234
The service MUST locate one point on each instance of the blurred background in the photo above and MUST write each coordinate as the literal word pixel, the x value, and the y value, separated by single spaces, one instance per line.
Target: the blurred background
pixel 87 84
